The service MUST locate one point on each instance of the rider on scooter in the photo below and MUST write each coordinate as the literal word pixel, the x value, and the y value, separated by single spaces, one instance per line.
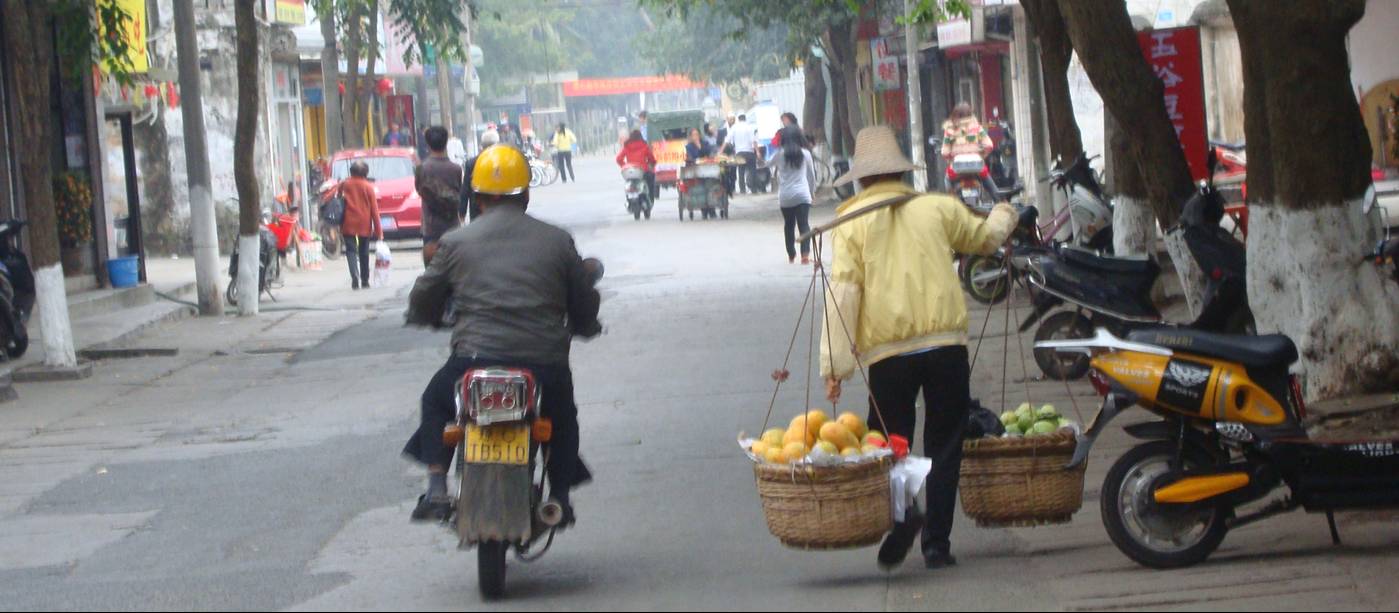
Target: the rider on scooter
pixel 963 134
pixel 520 292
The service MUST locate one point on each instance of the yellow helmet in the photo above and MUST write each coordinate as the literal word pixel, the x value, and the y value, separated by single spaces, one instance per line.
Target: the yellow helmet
pixel 501 170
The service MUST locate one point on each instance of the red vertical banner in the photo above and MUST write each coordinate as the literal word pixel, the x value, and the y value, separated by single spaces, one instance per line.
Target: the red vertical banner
pixel 400 111
pixel 1175 56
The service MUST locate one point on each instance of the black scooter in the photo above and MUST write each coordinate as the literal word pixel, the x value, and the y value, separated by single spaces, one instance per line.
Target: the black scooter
pixel 1115 292
pixel 16 291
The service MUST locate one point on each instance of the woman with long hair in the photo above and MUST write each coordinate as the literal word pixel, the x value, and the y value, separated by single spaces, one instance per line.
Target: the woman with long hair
pixel 796 177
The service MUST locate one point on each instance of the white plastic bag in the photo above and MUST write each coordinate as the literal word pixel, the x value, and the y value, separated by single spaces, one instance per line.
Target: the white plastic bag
pixel 383 260
pixel 906 481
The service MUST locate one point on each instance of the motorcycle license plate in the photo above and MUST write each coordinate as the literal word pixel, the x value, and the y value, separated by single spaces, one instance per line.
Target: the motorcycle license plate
pixel 388 223
pixel 498 444
pixel 971 195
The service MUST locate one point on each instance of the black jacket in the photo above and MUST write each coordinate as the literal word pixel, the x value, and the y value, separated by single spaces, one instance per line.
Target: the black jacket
pixel 518 285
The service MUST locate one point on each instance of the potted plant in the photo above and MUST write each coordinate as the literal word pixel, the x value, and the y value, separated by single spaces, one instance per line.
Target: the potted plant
pixel 73 206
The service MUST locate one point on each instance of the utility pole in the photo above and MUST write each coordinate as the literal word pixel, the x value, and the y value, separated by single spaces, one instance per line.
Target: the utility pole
pixel 201 196
pixel 915 101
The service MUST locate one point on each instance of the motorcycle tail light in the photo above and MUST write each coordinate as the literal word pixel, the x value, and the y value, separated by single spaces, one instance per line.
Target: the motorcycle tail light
pixel 496 395
pixel 453 435
pixel 1100 383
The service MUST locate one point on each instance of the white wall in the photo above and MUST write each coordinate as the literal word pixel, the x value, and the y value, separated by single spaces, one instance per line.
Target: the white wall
pixel 1374 45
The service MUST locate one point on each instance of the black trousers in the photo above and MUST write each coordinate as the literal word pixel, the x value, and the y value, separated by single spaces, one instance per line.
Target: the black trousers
pixel 794 218
pixel 564 160
pixel 357 254
pixel 439 408
pixel 944 376
pixel 746 182
pixel 651 187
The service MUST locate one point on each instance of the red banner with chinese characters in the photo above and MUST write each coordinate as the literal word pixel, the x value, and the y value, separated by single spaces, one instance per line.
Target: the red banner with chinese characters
pixel 627 85
pixel 1175 56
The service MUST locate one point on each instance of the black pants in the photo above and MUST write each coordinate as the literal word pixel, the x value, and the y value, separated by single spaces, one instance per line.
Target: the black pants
pixel 564 160
pixel 651 188
pixel 730 176
pixel 357 254
pixel 556 381
pixel 944 376
pixel 795 218
pixel 746 181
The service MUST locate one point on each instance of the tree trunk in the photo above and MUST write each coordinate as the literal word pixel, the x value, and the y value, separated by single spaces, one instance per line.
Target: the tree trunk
pixel 1056 52
pixel 814 107
pixel 840 39
pixel 1106 43
pixel 354 46
pixel 366 101
pixel 1309 160
pixel 330 88
pixel 1133 223
pixel 29 46
pixel 244 149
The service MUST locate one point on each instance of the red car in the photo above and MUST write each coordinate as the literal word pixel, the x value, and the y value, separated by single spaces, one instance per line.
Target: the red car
pixel 391 170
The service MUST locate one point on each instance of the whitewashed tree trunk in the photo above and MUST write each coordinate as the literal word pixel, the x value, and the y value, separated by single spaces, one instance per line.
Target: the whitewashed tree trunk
pixel 1133 226
pixel 249 290
pixel 51 299
pixel 1306 280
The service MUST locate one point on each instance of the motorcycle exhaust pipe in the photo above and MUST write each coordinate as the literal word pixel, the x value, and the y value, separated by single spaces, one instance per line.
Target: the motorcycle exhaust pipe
pixel 550 513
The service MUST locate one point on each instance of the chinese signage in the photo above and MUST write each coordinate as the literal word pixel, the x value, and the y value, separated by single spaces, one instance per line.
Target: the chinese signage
pixel 627 85
pixel 1175 56
pixel 884 64
pixel 291 11
pixel 670 154
pixel 136 58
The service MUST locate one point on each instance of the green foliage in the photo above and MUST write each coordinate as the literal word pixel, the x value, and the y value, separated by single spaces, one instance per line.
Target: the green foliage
pixel 706 44
pixel 89 34
pixel 524 38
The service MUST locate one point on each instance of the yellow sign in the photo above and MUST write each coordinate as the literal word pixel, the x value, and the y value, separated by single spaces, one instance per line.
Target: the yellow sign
pixel 135 33
pixel 498 444
pixel 292 12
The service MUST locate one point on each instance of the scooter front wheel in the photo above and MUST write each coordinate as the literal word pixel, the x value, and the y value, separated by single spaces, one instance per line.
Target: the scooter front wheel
pixel 1159 535
pixel 490 568
pixel 985 278
pixel 230 295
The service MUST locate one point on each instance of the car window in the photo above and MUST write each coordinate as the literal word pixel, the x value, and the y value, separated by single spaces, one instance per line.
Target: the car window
pixel 380 168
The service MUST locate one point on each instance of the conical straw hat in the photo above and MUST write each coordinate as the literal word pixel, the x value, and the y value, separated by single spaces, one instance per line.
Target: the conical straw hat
pixel 877 152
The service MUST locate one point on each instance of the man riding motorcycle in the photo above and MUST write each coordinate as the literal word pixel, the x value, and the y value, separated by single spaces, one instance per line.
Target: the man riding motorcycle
pixel 520 292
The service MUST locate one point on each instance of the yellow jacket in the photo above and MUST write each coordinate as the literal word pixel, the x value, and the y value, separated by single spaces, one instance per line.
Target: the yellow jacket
pixel 892 278
pixel 564 142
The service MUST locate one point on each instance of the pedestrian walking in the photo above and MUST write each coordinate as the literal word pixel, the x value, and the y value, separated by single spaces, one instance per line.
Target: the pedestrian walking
pixel 894 287
pixel 563 152
pixel 745 140
pixel 438 182
pixel 796 177
pixel 361 222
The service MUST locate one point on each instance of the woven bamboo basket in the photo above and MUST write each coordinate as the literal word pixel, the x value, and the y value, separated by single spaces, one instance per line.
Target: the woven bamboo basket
pixel 826 507
pixel 1021 481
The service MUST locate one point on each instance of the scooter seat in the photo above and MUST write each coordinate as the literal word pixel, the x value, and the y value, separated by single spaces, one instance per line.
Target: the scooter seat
pixel 1124 265
pixel 1271 350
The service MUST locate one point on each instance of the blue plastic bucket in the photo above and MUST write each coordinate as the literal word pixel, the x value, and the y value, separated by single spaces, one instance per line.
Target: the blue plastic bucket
pixel 123 271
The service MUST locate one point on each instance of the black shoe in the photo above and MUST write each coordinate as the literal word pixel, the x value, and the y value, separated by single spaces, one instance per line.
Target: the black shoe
pixel 354 285
pixel 896 546
pixel 939 561
pixel 436 508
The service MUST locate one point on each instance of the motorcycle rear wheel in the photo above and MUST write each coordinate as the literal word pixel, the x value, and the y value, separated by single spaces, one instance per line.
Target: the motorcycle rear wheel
pixel 14 338
pixel 490 569
pixel 1062 326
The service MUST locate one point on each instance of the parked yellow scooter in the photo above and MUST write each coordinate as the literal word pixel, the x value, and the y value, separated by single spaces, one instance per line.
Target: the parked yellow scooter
pixel 1231 432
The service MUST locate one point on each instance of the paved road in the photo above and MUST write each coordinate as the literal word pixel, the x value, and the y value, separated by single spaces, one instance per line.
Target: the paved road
pixel 259 469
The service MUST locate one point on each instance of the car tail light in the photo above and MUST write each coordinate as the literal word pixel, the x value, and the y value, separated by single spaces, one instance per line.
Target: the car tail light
pixel 496 395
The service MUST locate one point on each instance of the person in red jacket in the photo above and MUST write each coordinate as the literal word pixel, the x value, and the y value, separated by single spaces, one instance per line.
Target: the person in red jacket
pixel 637 152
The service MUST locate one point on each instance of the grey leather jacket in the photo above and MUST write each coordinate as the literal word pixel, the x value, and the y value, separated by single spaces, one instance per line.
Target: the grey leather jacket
pixel 517 285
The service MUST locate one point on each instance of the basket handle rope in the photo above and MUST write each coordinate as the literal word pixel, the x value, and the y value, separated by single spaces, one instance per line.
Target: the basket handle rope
pixel 780 376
